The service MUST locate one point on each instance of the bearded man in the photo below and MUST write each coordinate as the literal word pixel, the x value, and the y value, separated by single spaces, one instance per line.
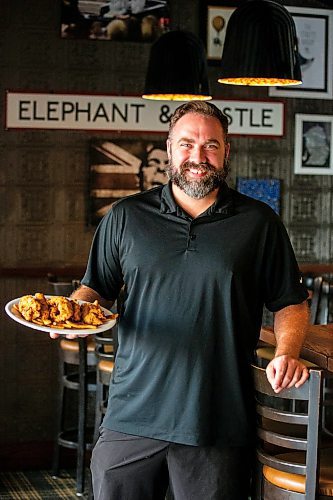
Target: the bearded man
pixel 197 262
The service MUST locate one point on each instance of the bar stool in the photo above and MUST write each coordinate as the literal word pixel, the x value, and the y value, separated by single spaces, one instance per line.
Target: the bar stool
pixel 60 287
pixel 288 465
pixel 77 365
pixel 67 435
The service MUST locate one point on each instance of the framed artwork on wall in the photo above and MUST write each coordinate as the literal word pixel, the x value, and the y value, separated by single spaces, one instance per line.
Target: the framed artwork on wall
pixel 118 20
pixel 266 190
pixel 314 29
pixel 217 20
pixel 122 167
pixel 313 153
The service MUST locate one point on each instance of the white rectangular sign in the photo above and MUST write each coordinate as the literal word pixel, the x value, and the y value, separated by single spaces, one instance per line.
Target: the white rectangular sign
pixel 29 110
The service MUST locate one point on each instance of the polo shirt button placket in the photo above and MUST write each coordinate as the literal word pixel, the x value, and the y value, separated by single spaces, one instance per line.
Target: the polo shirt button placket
pixel 191 241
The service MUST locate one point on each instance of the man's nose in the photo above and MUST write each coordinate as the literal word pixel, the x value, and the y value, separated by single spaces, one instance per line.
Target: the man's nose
pixel 198 155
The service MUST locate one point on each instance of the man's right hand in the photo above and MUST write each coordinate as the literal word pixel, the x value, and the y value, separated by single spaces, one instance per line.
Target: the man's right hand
pixel 70 336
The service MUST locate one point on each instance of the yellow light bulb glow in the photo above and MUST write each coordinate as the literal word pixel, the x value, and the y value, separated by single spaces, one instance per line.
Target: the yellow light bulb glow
pixel 268 82
pixel 177 97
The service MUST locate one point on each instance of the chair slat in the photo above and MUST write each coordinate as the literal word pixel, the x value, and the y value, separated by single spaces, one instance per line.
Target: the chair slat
pixel 280 464
pixel 289 442
pixel 282 416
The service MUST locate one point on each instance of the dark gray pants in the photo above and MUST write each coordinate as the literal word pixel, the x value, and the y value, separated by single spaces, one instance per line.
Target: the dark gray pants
pixel 126 467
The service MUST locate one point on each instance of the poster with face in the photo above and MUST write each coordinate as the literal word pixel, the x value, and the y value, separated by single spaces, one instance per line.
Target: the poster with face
pixel 153 172
pixel 122 167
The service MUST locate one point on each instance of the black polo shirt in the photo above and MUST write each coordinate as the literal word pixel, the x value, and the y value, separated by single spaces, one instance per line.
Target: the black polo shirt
pixel 194 295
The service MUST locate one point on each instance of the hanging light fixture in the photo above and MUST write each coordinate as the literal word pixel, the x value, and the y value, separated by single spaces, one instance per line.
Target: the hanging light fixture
pixel 177 68
pixel 260 46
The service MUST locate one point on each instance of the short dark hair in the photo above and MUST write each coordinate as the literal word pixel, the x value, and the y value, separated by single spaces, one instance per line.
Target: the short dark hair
pixel 202 108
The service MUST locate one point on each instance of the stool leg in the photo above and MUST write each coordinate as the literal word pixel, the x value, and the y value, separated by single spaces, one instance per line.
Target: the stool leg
pixel 60 426
pixel 81 444
pixel 90 490
pixel 56 452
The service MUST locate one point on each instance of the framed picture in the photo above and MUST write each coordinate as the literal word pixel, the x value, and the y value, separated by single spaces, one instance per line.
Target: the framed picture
pixel 122 167
pixel 118 20
pixel 314 29
pixel 217 20
pixel 313 153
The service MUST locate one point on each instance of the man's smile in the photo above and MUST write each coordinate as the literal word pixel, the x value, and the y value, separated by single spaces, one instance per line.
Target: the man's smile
pixel 196 172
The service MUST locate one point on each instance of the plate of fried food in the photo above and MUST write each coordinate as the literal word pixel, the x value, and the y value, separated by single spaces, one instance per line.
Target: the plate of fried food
pixel 62 315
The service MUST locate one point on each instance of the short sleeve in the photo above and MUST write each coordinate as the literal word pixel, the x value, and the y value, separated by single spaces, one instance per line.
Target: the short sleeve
pixel 103 273
pixel 282 278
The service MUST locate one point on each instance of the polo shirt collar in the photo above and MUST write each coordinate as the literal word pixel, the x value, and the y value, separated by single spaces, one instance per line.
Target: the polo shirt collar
pixel 222 205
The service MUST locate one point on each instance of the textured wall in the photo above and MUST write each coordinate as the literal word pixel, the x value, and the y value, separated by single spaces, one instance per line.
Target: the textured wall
pixel 44 182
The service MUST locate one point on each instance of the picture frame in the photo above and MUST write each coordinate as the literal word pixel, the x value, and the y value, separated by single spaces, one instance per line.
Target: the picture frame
pixel 120 167
pixel 265 190
pixel 116 20
pixel 216 24
pixel 313 150
pixel 314 29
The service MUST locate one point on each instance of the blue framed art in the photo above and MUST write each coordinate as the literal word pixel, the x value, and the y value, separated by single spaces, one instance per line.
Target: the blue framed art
pixel 266 190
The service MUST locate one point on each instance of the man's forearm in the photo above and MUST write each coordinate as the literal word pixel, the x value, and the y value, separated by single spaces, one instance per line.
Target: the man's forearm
pixel 89 295
pixel 290 327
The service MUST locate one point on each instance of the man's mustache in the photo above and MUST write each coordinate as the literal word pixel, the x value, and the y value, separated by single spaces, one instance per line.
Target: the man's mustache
pixel 204 166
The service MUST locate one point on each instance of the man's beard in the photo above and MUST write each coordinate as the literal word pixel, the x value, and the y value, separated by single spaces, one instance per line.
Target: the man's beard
pixel 198 188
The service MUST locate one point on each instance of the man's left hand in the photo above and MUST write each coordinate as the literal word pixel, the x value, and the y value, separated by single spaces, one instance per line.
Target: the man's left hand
pixel 285 371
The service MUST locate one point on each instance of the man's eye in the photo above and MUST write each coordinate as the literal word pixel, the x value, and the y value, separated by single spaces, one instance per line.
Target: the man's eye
pixel 185 145
pixel 212 147
pixel 153 163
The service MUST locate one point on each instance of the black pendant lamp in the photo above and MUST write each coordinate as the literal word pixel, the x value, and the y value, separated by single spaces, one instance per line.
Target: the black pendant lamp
pixel 177 68
pixel 260 46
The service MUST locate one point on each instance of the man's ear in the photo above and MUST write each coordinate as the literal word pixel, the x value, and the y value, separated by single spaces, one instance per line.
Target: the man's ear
pixel 227 151
pixel 168 144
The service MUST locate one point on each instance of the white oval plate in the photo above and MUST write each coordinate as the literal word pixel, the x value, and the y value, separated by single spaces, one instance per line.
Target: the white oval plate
pixel 15 315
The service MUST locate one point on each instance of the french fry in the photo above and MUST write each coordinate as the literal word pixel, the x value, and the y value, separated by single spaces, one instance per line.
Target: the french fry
pixel 79 325
pixel 42 322
pixel 38 322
